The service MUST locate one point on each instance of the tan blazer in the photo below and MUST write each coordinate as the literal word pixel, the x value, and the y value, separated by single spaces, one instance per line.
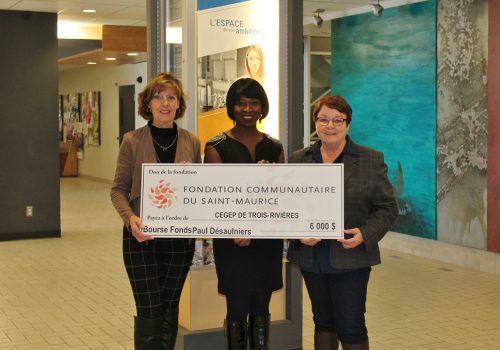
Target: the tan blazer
pixel 137 148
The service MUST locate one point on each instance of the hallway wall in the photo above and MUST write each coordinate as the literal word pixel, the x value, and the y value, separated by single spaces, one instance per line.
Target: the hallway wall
pixel 100 161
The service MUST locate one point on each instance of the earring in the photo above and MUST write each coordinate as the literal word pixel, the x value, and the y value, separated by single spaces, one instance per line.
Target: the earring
pixel 148 109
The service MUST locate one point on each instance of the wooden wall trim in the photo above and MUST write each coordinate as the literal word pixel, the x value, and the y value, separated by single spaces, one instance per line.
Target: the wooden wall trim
pixel 493 173
pixel 124 38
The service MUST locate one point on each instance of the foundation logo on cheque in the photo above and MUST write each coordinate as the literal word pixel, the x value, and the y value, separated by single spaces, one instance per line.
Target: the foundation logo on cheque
pixel 162 195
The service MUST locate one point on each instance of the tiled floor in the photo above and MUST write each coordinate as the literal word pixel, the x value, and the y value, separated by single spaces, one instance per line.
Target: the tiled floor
pixel 72 293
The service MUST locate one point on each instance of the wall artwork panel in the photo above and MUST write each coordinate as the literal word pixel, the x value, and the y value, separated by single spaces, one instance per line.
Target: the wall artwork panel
pixel 91 117
pixel 72 121
pixel 60 125
pixel 385 67
pixel 462 121
pixel 71 116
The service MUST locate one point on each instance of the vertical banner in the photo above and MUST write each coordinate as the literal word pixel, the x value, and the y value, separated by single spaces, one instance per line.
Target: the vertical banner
pixel 236 39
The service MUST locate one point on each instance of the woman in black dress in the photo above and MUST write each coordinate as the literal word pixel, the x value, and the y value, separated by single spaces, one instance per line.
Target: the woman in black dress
pixel 248 271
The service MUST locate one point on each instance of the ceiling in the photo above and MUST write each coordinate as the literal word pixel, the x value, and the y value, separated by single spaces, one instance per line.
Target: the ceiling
pixel 133 13
pixel 113 12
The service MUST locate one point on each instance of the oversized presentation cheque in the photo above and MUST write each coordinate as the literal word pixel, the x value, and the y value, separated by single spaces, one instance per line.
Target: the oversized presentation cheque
pixel 243 200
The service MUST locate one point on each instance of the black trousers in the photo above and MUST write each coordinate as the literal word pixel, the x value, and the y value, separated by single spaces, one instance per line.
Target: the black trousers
pixel 338 303
pixel 157 271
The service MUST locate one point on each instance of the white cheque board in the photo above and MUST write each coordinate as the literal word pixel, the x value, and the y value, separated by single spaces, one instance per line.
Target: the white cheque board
pixel 243 200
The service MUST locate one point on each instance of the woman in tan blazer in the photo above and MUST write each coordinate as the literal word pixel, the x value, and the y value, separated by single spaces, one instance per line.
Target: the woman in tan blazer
pixel 157 268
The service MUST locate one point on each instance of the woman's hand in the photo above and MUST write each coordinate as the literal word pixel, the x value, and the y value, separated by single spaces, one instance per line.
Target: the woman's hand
pixel 136 225
pixel 310 241
pixel 263 161
pixel 354 241
pixel 242 242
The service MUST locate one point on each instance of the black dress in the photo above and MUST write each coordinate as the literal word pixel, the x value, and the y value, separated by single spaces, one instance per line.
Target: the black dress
pixel 255 269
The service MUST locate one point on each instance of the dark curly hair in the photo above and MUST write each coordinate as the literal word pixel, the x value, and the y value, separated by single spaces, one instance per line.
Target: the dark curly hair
pixel 160 82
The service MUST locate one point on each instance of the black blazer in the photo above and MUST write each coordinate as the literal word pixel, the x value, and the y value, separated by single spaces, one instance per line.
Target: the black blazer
pixel 369 205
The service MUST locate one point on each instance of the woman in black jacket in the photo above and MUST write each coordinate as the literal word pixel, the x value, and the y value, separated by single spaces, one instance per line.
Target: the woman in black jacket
pixel 336 272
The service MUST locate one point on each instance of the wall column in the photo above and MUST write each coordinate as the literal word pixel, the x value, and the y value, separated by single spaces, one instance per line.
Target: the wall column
pixel 29 137
pixel 493 171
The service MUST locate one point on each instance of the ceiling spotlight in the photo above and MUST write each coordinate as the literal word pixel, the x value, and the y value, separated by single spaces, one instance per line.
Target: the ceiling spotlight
pixel 318 21
pixel 377 9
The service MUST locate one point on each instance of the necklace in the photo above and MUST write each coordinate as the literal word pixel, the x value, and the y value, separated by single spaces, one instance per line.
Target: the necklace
pixel 164 148
pixel 157 158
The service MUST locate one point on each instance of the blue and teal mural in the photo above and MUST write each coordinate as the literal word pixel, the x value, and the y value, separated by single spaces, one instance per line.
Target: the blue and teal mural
pixel 385 67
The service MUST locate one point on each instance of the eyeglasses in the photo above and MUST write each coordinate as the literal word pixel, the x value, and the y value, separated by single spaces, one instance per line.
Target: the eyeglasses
pixel 335 121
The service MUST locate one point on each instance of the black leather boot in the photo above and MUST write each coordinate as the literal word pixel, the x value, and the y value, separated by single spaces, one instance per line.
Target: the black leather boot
pixel 169 328
pixel 235 333
pixel 325 341
pixel 258 332
pixel 362 346
pixel 147 333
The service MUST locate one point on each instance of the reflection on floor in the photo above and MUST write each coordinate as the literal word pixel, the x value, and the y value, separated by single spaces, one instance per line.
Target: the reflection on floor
pixel 72 293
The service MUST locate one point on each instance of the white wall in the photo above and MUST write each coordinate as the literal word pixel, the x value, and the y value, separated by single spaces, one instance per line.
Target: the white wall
pixel 100 161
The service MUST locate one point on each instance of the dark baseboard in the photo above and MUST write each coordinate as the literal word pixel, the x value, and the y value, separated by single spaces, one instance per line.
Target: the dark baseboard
pixel 29 235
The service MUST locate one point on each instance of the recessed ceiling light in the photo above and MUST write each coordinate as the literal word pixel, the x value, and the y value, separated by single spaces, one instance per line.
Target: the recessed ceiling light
pixel 89 11
pixel 110 59
pixel 91 62
pixel 132 54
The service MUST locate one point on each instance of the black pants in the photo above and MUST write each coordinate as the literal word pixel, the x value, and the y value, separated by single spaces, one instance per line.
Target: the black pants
pixel 239 307
pixel 339 303
pixel 157 271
